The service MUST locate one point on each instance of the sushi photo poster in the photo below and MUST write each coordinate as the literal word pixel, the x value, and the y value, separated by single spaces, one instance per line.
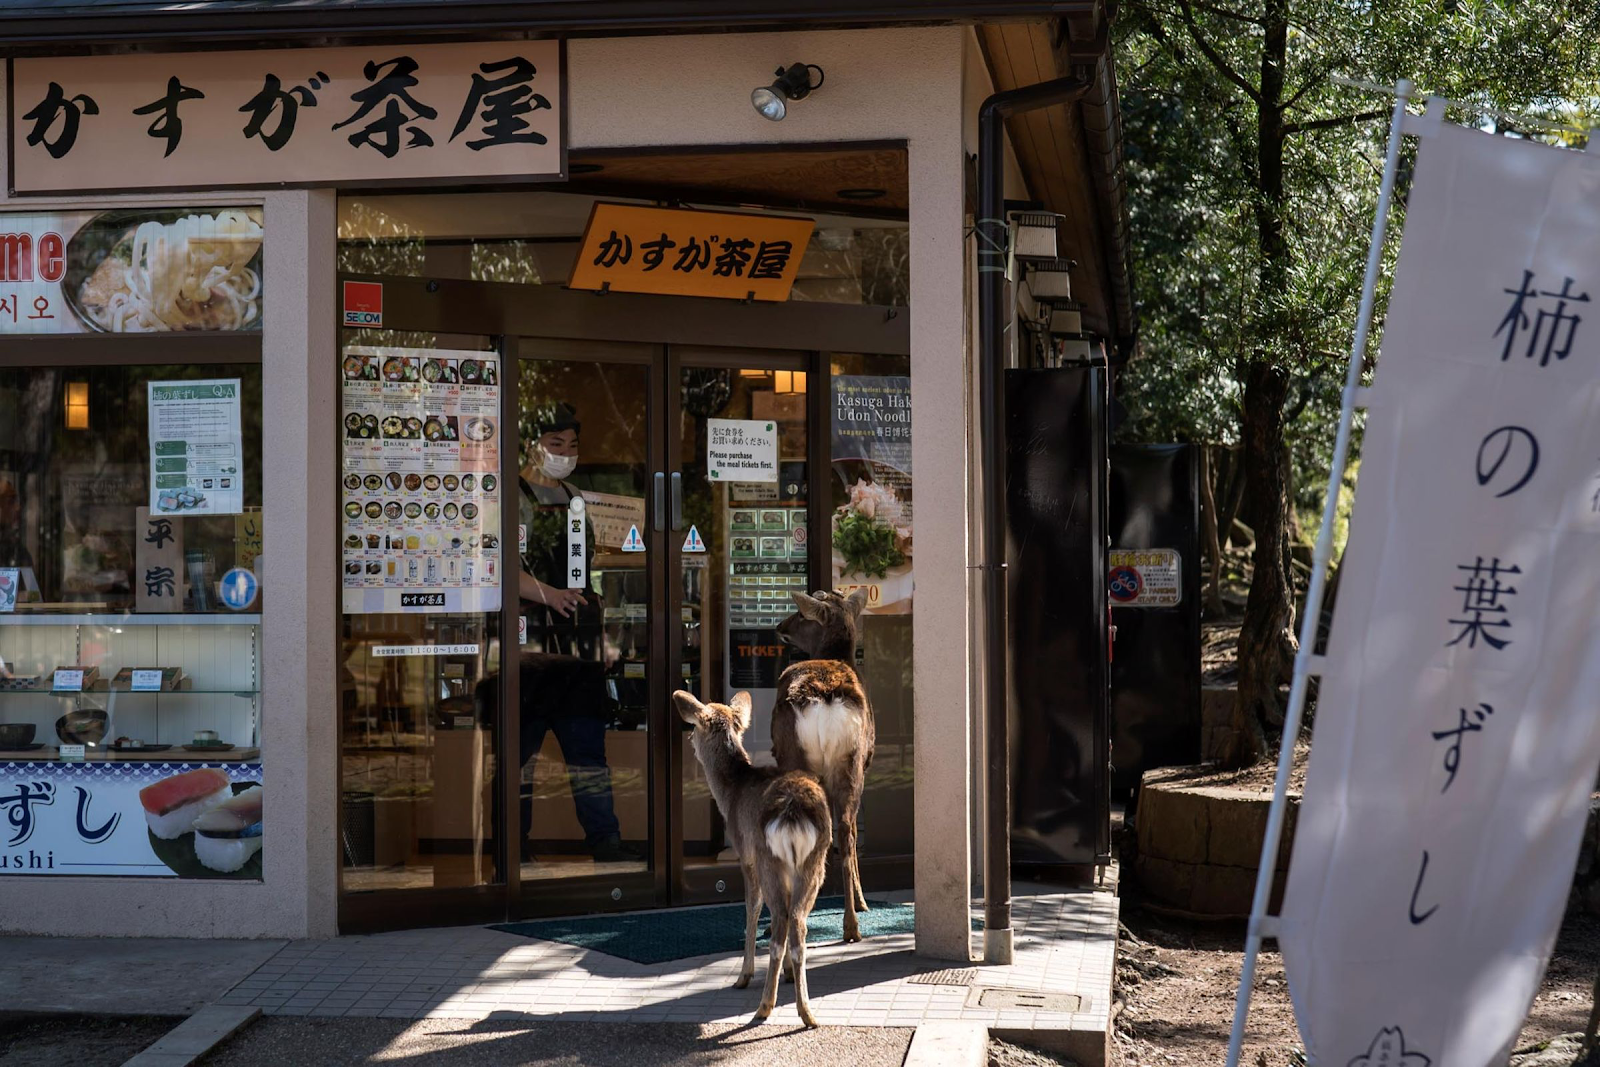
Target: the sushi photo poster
pixel 129 819
pixel 196 448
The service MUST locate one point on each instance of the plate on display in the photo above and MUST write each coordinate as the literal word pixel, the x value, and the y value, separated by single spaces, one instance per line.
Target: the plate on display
pixel 140 748
pixel 207 746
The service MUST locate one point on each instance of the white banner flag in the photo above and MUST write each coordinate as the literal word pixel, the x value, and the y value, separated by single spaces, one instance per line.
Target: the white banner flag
pixel 1456 736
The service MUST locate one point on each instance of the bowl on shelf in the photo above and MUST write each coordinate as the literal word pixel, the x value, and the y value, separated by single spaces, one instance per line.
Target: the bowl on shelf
pixel 86 726
pixel 16 734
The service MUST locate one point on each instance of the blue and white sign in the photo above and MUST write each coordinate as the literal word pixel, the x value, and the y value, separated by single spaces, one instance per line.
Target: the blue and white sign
pixel 239 587
pixel 119 818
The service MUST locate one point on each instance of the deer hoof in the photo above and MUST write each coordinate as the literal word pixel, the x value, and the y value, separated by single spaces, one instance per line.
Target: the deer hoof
pixel 851 936
pixel 806 1016
pixel 762 1012
pixel 742 981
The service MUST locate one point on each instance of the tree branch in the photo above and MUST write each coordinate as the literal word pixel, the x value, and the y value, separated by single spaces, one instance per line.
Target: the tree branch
pixel 1291 128
pixel 1237 16
pixel 1216 59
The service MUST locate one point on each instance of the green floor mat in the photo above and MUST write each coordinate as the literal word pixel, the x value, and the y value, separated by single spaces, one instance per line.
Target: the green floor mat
pixel 659 936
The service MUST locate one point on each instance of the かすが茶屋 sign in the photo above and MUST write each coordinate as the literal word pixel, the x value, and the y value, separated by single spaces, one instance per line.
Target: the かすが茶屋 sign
pixel 300 117
pixel 675 252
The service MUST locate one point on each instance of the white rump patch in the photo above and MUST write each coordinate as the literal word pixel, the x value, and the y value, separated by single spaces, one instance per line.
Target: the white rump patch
pixel 791 842
pixel 828 733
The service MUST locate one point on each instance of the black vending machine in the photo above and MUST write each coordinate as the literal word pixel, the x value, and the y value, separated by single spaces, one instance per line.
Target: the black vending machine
pixel 1056 527
pixel 1154 583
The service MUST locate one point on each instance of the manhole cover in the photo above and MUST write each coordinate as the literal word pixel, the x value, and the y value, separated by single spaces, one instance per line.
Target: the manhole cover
pixel 1025 1000
pixel 949 976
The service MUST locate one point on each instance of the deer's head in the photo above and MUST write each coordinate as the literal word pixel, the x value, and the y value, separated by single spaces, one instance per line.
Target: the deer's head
pixel 719 722
pixel 825 624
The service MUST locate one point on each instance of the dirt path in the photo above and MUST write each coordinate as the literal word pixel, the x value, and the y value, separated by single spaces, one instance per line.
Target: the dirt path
pixel 1177 981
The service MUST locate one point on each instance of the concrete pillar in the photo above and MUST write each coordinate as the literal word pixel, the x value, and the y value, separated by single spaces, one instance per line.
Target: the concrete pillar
pixel 300 487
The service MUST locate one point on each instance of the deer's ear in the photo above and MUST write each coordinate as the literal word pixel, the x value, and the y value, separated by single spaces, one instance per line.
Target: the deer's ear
pixel 687 706
pixel 857 601
pixel 810 607
pixel 741 707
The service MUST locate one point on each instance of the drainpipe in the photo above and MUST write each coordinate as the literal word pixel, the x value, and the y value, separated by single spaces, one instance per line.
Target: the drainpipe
pixel 993 239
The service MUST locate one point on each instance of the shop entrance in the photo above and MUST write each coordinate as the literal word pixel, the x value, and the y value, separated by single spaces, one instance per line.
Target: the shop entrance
pixel 480 782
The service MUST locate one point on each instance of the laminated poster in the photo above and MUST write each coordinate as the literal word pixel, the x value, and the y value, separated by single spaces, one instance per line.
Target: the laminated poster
pixel 420 475
pixel 196 449
pixel 870 440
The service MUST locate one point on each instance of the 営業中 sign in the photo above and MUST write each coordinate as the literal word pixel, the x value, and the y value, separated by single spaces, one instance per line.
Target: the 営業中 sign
pixel 1456 736
pixel 301 117
pixel 632 249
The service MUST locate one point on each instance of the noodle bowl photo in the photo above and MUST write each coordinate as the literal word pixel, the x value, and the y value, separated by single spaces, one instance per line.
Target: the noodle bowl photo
pixel 165 271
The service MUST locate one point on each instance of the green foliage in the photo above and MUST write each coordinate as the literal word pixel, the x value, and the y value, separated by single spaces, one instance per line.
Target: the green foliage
pixel 866 544
pixel 1201 89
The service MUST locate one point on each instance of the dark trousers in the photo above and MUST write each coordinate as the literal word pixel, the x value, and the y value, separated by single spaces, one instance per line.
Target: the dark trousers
pixel 583 747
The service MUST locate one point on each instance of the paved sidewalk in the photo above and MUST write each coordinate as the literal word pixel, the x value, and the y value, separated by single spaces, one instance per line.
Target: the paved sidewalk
pixel 126 976
pixel 1065 943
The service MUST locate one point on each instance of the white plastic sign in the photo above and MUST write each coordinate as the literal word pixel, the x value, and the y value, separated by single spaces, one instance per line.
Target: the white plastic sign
pixel 146 681
pixel 66 681
pixel 741 450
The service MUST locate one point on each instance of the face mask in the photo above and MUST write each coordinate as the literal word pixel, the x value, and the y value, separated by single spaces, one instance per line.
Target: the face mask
pixel 557 467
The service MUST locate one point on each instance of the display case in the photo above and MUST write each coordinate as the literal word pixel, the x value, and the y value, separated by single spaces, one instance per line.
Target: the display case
pixel 132 686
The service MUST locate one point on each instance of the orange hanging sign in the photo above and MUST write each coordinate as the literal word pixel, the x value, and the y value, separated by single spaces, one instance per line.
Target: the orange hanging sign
pixel 631 249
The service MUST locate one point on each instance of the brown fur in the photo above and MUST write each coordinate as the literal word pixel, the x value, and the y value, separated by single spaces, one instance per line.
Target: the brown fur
pixel 752 799
pixel 825 628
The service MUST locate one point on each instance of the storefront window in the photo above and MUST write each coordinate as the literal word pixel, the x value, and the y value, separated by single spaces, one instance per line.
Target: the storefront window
pixel 533 238
pixel 420 544
pixel 871 545
pixel 131 534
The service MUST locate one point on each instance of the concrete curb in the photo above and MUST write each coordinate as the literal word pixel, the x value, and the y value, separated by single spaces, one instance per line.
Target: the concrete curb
pixel 949 1044
pixel 196 1036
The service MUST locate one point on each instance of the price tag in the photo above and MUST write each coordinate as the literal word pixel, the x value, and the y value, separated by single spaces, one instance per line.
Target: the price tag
pixel 68 681
pixel 464 722
pixel 72 753
pixel 148 681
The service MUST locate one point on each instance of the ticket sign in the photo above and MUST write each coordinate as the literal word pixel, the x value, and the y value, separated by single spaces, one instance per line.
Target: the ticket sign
pixel 199 120
pixel 632 249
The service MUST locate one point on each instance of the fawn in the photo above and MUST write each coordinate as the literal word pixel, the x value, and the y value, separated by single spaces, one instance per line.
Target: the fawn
pixel 822 723
pixel 779 825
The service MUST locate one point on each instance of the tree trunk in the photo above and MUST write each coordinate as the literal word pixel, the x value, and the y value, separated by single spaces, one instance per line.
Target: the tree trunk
pixel 1266 637
pixel 1208 530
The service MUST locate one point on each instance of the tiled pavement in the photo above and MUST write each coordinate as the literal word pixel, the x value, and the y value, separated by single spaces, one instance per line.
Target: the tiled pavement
pixel 1065 942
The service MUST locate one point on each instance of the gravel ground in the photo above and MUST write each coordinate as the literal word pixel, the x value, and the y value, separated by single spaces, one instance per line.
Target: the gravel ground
pixel 1005 1054
pixel 517 1041
pixel 1177 981
pixel 30 1039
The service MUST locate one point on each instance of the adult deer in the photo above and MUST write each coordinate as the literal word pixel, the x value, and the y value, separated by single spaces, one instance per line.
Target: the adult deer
pixel 822 722
pixel 778 823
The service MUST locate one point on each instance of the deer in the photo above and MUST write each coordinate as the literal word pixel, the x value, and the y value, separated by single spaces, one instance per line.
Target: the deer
pixel 822 722
pixel 778 823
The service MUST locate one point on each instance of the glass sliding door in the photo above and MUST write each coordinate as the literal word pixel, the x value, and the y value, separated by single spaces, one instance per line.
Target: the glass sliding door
pixel 739 544
pixel 590 685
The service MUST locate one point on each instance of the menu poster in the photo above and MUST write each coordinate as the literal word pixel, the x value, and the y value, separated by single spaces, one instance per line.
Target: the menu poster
pixel 196 448
pixel 421 473
pixel 870 440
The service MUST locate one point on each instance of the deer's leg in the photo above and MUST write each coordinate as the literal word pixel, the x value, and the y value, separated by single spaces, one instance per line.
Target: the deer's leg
pixel 752 914
pixel 802 998
pixel 847 864
pixel 780 942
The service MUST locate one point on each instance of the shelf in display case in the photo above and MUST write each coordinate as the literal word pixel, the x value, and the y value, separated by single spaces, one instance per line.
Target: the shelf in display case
pixel 188 619
pixel 252 693
pixel 176 754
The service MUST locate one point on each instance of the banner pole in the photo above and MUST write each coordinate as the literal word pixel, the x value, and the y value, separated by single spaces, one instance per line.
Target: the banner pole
pixel 1319 572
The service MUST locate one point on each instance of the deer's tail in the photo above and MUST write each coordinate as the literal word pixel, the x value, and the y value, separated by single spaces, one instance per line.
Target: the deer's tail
pixel 796 820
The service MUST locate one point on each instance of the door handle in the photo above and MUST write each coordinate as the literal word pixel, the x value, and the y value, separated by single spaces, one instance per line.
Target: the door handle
pixel 677 501
pixel 660 520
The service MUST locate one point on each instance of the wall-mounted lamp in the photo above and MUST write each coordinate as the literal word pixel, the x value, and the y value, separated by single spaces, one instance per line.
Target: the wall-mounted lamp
pixel 1033 234
pixel 1050 281
pixel 77 405
pixel 1064 322
pixel 793 83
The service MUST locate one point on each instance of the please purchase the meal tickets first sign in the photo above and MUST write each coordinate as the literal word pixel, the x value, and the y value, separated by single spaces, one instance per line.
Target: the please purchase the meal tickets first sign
pixel 675 252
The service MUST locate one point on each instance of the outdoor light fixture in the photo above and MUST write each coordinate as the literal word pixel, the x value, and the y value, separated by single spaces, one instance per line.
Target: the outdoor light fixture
pixel 1033 235
pixel 1065 322
pixel 793 83
pixel 77 404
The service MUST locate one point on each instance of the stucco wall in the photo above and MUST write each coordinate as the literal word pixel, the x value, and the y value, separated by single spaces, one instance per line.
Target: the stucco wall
pixel 882 85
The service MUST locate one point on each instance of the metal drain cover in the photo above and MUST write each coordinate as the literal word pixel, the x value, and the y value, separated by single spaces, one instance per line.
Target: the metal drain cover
pixel 1025 1000
pixel 948 976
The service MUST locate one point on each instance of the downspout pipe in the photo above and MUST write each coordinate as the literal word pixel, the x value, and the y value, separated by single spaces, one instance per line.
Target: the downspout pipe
pixel 993 235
